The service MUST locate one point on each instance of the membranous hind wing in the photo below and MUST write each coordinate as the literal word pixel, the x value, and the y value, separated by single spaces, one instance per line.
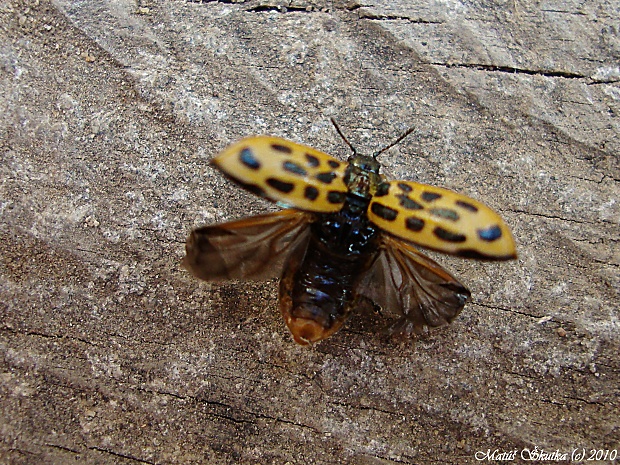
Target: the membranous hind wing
pixel 252 248
pixel 404 281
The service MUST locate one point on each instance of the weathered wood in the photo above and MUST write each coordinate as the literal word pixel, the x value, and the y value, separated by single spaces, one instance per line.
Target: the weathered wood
pixel 111 353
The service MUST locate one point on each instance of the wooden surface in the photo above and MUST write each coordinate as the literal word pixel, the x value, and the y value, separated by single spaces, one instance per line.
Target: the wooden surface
pixel 110 111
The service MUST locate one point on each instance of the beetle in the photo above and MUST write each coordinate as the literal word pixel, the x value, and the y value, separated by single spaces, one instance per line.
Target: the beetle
pixel 349 236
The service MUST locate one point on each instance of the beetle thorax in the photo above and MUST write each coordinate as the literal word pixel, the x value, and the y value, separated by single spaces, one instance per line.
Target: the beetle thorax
pixel 362 176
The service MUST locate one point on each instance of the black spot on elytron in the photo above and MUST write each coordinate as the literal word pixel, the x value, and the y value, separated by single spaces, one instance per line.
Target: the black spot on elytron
pixel 294 168
pixel 467 206
pixel 281 186
pixel 326 178
pixel 430 196
pixel 281 148
pixel 448 236
pixel 382 189
pixel 335 197
pixel 405 187
pixel 408 203
pixel 383 212
pixel 333 163
pixel 253 188
pixel 414 224
pixel 470 253
pixel 490 234
pixel 247 158
pixel 311 193
pixel 312 160
pixel 445 213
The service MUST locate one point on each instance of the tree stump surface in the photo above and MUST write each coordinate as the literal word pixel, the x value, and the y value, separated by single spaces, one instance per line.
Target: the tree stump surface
pixel 111 110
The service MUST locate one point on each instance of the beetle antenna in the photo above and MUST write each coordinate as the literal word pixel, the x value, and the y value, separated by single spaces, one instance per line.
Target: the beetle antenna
pixel 343 137
pixel 401 137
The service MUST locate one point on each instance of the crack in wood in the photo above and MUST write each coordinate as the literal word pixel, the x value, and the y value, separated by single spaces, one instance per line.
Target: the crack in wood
pixel 46 336
pixel 588 402
pixel 366 408
pixel 380 17
pixel 121 455
pixel 512 70
pixel 556 217
pixel 510 310
pixel 63 448
pixel 231 407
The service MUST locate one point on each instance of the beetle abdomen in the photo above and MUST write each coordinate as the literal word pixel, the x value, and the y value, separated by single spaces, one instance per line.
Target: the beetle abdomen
pixel 316 290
